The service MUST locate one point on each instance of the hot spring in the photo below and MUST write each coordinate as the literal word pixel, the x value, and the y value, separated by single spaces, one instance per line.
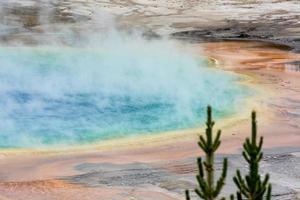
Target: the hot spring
pixel 78 95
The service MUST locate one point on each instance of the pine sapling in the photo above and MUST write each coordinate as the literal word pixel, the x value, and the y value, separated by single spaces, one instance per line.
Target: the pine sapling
pixel 252 187
pixel 207 188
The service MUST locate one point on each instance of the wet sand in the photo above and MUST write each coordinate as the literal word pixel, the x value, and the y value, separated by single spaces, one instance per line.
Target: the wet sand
pixel 162 166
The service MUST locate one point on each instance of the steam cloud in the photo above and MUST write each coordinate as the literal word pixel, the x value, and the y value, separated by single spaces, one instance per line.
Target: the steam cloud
pixel 78 86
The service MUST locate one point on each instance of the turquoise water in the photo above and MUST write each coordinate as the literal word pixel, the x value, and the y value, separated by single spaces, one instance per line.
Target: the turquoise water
pixel 65 96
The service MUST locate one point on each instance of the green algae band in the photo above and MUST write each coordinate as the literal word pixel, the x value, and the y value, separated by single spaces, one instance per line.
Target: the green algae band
pixel 70 96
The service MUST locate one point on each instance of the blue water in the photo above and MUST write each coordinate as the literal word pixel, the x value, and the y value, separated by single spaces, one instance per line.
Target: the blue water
pixel 64 96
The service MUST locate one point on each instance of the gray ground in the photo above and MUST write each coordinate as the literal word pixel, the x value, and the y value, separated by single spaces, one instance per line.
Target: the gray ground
pixel 274 20
pixel 175 177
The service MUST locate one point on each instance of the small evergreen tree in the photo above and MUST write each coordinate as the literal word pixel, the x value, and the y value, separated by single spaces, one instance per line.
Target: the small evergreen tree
pixel 252 187
pixel 207 189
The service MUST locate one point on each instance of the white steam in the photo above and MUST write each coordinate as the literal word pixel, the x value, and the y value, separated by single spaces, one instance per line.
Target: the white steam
pixel 88 83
